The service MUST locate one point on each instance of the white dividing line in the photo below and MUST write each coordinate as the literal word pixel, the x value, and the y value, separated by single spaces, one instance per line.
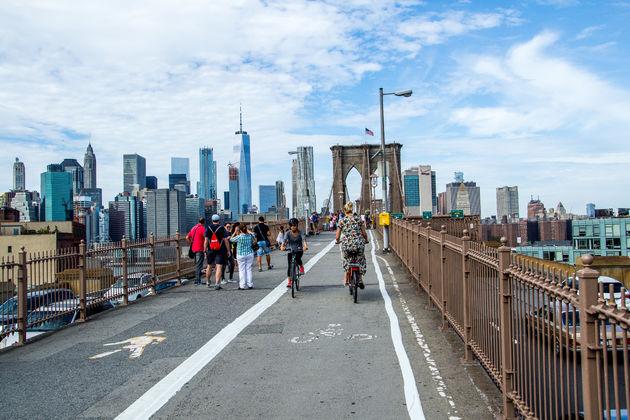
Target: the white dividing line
pixel 440 385
pixel 159 394
pixel 414 406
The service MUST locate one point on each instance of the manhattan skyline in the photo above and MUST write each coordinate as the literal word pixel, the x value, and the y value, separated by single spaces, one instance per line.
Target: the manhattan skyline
pixel 534 95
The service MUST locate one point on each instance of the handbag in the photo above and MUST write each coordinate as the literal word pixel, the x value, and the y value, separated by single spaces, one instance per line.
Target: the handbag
pixel 255 245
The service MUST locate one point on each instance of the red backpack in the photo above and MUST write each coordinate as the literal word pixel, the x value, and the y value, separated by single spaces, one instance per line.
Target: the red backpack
pixel 214 241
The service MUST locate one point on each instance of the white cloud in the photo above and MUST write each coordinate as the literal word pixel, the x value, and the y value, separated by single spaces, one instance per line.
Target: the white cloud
pixel 587 32
pixel 536 91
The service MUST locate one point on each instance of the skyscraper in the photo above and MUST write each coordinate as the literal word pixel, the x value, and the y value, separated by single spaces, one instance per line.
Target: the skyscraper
pixel 19 176
pixel 180 165
pixel 56 190
pixel 194 210
pixel 411 191
pixel 419 190
pixel 241 158
pixel 75 168
pixel 267 197
pixel 233 199
pixel 507 203
pixel 305 182
pixel 89 168
pixel 151 182
pixel 166 212
pixel 453 192
pixel 134 172
pixel 281 200
pixel 207 174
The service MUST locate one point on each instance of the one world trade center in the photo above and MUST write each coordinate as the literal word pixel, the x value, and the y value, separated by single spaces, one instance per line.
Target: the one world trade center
pixel 242 161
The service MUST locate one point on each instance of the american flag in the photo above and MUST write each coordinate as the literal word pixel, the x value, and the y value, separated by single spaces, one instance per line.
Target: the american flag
pixel 369 132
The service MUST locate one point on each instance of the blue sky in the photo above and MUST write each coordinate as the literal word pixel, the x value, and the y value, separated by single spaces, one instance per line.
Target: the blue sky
pixel 527 93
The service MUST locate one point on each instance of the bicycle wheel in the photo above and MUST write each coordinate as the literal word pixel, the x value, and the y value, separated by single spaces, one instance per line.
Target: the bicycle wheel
pixel 297 278
pixel 355 285
pixel 293 279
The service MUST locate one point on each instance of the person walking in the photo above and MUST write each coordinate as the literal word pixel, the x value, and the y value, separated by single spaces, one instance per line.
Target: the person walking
pixel 352 242
pixel 196 240
pixel 315 223
pixel 231 258
pixel 280 237
pixel 216 244
pixel 244 255
pixel 263 237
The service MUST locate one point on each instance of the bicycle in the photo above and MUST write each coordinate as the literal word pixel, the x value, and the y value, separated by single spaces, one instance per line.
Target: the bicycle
pixel 353 285
pixel 295 275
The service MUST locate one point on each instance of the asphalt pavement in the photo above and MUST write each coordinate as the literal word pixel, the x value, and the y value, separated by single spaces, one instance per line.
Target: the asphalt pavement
pixel 254 354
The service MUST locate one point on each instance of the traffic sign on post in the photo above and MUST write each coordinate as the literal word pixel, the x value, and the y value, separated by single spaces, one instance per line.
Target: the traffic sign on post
pixel 457 214
pixel 427 215
pixel 397 215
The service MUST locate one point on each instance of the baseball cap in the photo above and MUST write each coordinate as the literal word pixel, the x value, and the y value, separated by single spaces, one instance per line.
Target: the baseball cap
pixel 215 218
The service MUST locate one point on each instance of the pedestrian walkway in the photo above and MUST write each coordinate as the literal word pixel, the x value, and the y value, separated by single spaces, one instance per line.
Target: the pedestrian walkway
pixel 254 353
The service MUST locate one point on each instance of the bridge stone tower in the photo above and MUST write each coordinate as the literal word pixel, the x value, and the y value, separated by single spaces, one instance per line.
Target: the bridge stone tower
pixel 365 158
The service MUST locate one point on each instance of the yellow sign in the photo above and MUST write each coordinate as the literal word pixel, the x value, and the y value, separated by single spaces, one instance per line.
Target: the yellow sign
pixel 135 345
pixel 383 219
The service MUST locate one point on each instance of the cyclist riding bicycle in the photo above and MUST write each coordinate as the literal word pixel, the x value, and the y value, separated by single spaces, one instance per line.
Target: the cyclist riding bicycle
pixel 295 242
pixel 352 243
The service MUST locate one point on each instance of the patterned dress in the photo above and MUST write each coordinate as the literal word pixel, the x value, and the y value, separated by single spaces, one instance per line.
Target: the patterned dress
pixel 352 240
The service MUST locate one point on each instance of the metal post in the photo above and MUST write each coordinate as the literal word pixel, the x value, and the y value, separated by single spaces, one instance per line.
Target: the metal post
pixel 443 276
pixel 588 337
pixel 178 258
pixel 152 245
pixel 22 290
pixel 428 256
pixel 384 176
pixel 507 338
pixel 468 354
pixel 82 283
pixel 124 269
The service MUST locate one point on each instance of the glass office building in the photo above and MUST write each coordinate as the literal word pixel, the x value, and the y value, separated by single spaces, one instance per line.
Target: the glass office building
pixel 56 190
pixel 207 174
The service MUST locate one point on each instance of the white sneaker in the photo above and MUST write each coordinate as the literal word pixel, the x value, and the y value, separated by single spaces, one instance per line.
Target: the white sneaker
pixel 232 281
pixel 224 282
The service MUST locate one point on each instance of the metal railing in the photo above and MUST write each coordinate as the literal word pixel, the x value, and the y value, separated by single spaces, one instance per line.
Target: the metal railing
pixel 555 346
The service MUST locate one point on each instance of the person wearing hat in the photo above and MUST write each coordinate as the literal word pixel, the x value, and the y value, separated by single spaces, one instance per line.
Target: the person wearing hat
pixel 217 249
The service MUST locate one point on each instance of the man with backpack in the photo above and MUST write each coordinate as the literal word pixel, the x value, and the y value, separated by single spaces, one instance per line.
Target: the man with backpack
pixel 217 248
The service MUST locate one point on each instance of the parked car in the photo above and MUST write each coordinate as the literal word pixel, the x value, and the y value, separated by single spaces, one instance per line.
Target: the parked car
pixel 138 285
pixel 34 299
pixel 613 289
pixel 55 316
pixel 563 320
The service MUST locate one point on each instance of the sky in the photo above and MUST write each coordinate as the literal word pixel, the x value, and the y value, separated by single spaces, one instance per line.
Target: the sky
pixel 528 93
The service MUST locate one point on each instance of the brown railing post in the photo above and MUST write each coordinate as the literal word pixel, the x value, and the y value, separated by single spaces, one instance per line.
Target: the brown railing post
pixel 443 276
pixel 124 270
pixel 152 245
pixel 22 291
pixel 178 259
pixel 428 256
pixel 82 283
pixel 507 339
pixel 468 354
pixel 588 336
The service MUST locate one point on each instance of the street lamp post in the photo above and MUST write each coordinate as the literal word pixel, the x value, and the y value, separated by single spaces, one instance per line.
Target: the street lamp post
pixel 406 94
pixel 373 182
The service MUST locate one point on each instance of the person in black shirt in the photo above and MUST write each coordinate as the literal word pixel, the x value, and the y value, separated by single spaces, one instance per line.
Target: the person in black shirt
pixel 219 255
pixel 264 240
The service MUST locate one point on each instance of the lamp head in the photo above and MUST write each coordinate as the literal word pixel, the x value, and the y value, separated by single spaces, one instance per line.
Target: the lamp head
pixel 406 93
